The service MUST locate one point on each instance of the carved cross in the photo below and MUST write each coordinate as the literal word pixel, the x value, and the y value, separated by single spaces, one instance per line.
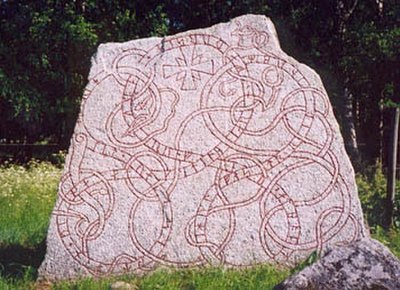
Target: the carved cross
pixel 188 68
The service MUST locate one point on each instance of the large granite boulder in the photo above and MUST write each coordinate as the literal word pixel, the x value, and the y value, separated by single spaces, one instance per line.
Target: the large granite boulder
pixel 365 264
pixel 209 147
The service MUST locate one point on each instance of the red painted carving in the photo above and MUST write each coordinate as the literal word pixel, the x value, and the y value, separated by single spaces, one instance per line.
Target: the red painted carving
pixel 188 68
pixel 194 167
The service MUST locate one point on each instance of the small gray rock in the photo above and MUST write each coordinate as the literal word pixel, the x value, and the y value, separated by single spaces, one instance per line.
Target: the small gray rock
pixel 366 264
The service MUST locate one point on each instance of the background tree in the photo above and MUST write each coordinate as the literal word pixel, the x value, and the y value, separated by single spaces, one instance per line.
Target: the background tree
pixel 45 51
pixel 46 45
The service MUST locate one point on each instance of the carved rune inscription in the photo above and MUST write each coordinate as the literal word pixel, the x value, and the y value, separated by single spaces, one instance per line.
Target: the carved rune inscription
pixel 208 147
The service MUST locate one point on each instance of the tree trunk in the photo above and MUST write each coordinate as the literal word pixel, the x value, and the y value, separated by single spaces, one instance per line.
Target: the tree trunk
pixel 344 11
pixel 391 184
pixel 349 129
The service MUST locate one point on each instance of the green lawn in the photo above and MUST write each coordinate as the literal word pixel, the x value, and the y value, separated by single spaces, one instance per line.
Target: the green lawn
pixel 262 277
pixel 27 195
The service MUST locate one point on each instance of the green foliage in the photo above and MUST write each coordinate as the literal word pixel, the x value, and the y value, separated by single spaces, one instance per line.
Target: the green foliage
pixel 58 159
pixel 45 51
pixel 307 262
pixel 26 282
pixel 372 187
pixel 27 196
pixel 355 49
pixel 390 239
pixel 372 192
pixel 46 45
pixel 260 277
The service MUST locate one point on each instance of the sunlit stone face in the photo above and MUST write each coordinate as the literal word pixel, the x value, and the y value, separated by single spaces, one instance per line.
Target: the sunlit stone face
pixel 210 147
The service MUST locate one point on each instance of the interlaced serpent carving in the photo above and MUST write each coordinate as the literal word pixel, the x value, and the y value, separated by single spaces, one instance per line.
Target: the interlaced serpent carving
pixel 211 153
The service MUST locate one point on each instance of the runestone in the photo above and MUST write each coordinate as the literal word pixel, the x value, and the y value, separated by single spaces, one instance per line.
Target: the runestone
pixel 209 147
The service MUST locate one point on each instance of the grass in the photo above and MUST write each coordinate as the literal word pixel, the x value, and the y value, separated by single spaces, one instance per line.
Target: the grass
pixel 261 277
pixel 27 195
pixel 390 239
pixel 24 282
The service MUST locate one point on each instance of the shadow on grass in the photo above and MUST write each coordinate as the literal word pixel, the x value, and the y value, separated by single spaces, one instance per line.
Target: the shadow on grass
pixel 16 260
